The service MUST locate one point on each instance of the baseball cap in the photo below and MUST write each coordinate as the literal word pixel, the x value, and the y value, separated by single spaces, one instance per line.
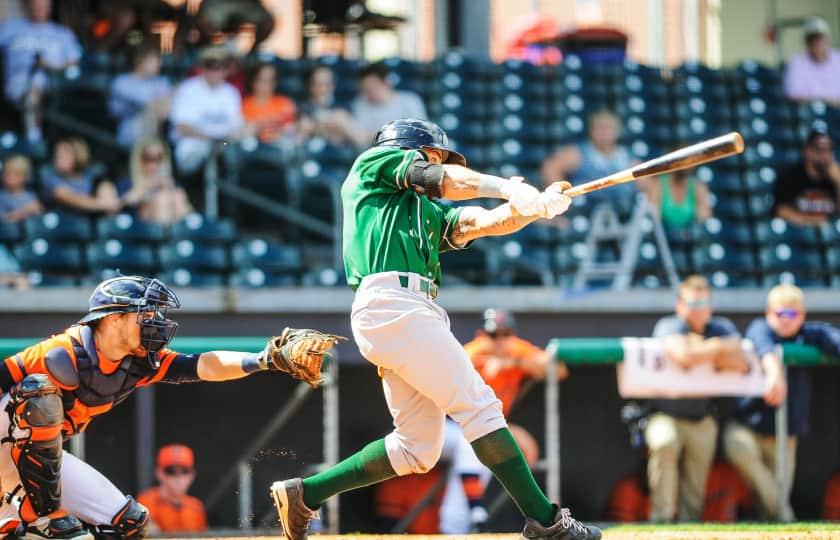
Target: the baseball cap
pixel 816 26
pixel 175 455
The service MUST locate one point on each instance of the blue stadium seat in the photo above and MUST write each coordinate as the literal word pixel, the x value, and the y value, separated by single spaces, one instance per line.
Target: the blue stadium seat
pixel 721 279
pixel 259 277
pixel 725 231
pixel 801 262
pixel 267 255
pixel 10 232
pixel 60 227
pixel 652 111
pixel 720 180
pixel 127 257
pixel 203 229
pixel 48 257
pixel 194 256
pixel 128 228
pixel 830 232
pixel 760 205
pixel 804 281
pixel 471 265
pixel 329 154
pixel 833 259
pixel 40 279
pixel 691 85
pixel 760 180
pixel 733 259
pixel 717 113
pixel 778 230
pixel 731 207
pixel 183 277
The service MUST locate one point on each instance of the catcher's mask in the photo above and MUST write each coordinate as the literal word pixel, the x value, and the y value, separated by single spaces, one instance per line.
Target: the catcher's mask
pixel 147 297
pixel 417 134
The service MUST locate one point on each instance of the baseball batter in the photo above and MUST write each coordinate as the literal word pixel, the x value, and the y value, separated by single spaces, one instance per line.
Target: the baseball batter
pixel 394 231
pixel 54 388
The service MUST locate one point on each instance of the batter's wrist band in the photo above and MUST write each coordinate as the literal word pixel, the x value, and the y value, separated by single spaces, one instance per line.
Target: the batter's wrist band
pixel 251 363
pixel 491 186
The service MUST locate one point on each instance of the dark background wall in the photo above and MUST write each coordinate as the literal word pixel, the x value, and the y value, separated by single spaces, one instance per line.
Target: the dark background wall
pixel 219 420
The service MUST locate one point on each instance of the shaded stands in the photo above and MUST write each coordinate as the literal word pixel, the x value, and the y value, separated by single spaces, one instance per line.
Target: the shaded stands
pixel 506 118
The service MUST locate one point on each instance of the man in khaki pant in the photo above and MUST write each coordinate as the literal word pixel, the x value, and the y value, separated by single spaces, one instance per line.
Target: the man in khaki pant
pixel 749 441
pixel 681 433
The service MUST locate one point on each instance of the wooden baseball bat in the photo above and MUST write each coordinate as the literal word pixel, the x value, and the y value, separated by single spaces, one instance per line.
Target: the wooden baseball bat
pixel 690 156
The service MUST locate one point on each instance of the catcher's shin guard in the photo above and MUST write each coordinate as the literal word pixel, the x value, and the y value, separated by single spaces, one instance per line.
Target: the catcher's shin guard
pixel 132 521
pixel 36 415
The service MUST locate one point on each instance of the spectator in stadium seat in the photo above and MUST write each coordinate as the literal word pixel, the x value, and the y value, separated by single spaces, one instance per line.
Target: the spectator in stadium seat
pixel 379 103
pixel 679 200
pixel 599 156
pixel 681 433
pixel 139 100
pixel 396 497
pixel 808 192
pixel 16 202
pixel 73 185
pixel 813 74
pixel 749 440
pixel 171 510
pixel 269 115
pixel 206 110
pixel 33 47
pixel 320 114
pixel 150 190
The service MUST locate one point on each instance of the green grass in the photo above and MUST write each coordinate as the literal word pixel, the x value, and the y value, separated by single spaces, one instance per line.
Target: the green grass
pixel 730 527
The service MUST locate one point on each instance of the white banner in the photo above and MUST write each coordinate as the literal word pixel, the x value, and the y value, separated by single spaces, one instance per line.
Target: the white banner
pixel 647 372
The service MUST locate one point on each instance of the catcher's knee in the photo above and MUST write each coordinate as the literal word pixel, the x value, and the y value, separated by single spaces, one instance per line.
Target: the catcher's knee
pixel 131 521
pixel 36 416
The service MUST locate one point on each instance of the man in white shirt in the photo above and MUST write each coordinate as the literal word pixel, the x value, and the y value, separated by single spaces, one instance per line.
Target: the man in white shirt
pixel 814 73
pixel 205 110
pixel 379 103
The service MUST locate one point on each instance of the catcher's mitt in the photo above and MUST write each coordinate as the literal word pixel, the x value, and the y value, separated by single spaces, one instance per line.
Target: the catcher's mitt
pixel 300 353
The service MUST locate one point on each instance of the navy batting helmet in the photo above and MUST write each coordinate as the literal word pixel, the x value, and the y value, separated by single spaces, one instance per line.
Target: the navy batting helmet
pixel 416 133
pixel 496 320
pixel 149 298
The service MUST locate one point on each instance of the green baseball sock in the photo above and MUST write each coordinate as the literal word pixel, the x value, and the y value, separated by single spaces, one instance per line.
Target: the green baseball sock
pixel 367 466
pixel 499 452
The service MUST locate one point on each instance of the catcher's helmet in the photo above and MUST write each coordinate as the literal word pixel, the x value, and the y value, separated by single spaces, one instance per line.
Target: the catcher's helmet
pixel 496 320
pixel 149 298
pixel 416 133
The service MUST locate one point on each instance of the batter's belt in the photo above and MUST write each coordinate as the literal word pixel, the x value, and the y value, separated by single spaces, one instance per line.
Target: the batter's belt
pixel 408 280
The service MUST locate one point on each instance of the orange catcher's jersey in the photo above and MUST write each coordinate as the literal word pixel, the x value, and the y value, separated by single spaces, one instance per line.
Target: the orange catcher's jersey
pixel 89 385
pixel 188 516
pixel 499 366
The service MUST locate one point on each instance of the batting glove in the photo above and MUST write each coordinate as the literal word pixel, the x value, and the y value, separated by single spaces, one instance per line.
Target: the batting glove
pixel 554 201
pixel 524 198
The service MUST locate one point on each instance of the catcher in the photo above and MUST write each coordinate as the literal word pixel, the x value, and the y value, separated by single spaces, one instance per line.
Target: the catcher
pixel 53 389
pixel 394 230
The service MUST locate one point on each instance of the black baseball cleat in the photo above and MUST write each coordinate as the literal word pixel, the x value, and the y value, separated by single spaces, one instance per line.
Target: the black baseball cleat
pixel 64 527
pixel 293 512
pixel 565 527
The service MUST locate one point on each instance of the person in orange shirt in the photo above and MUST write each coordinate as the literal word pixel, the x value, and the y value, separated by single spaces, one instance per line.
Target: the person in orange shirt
pixel 53 389
pixel 170 508
pixel 505 362
pixel 271 116
pixel 396 497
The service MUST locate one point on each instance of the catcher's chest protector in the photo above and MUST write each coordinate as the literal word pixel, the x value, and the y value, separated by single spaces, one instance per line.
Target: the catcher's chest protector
pixel 96 391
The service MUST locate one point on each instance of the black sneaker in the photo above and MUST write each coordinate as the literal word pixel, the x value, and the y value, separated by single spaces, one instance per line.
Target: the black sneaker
pixel 565 527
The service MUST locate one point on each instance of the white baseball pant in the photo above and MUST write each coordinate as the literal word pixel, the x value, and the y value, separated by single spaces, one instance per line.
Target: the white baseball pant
pixel 85 492
pixel 426 374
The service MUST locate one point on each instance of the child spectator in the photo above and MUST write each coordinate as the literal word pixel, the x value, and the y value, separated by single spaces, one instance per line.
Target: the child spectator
pixel 139 100
pixel 271 116
pixel 150 189
pixel 16 202
pixel 72 184
pixel 170 508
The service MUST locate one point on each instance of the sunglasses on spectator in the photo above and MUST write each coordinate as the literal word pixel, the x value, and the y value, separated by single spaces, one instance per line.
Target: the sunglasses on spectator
pixel 214 64
pixel 787 313
pixel 701 303
pixel 157 156
pixel 176 470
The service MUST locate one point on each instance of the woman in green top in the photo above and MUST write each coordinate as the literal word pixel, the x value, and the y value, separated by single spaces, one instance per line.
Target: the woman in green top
pixel 680 200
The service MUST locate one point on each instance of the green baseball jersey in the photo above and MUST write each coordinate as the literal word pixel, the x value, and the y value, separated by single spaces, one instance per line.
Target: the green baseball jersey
pixel 388 226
